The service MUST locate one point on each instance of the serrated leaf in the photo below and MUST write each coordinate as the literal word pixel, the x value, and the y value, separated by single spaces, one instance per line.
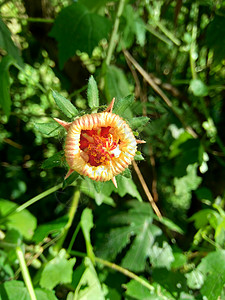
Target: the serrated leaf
pixel 7 44
pixel 51 129
pixel 209 275
pixel 127 186
pixel 138 123
pixel 198 88
pixel 54 227
pixel 54 161
pixel 86 226
pixel 65 105
pixel 122 104
pixel 76 28
pixel 141 246
pixel 92 93
pixel 170 224
pixel 116 84
pixel 135 223
pixel 161 257
pixel 56 271
pixel 5 100
pixel 22 221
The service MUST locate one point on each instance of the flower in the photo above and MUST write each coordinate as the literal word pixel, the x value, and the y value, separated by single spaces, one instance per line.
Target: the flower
pixel 99 145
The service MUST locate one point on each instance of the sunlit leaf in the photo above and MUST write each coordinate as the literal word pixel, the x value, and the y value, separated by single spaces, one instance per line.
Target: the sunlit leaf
pixel 58 270
pixel 22 221
pixel 50 128
pixel 86 226
pixel 65 105
pixel 92 93
pixel 86 282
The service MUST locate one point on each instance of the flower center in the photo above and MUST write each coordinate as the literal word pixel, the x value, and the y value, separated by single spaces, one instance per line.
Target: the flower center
pixel 99 145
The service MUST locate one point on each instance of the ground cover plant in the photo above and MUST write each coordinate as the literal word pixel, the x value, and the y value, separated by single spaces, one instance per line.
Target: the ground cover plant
pixel 151 226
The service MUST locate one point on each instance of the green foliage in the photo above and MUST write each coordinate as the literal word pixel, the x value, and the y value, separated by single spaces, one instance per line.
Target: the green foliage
pixel 92 93
pixel 5 101
pixel 83 29
pixel 58 270
pixel 75 238
pixel 22 221
pixel 65 105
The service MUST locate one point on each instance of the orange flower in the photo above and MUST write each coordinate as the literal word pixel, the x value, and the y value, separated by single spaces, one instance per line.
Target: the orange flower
pixel 99 145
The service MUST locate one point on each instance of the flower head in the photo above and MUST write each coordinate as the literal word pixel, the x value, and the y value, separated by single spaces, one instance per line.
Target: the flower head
pixel 99 145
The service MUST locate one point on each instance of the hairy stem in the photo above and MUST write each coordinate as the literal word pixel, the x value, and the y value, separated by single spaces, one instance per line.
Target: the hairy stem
pixel 25 273
pixel 114 37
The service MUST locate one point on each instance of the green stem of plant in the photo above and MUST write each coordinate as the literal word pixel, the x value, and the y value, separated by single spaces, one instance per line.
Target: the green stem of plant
pixel 71 214
pixel 114 37
pixel 25 273
pixel 33 200
pixel 36 20
pixel 117 268
pixel 73 237
pixel 193 42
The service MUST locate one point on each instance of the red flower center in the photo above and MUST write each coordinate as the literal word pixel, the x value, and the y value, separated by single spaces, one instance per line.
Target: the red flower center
pixel 99 145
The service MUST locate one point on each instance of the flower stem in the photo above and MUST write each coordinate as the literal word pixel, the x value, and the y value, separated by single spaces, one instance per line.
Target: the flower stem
pixel 114 37
pixel 25 273
pixel 117 268
pixel 71 214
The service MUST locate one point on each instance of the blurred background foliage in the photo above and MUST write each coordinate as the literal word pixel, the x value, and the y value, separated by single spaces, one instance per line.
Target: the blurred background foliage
pixel 171 56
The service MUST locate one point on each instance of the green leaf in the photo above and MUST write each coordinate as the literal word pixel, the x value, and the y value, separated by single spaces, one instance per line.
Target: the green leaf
pixel 209 275
pixel 15 289
pixel 170 224
pixel 12 239
pixel 215 37
pixel 59 270
pixel 69 180
pixel 135 222
pixel 92 93
pixel 86 223
pixel 88 187
pixel 54 161
pixel 43 294
pixel 65 105
pixel 51 129
pixel 5 100
pixel 76 28
pixel 139 156
pixel 12 290
pixel 7 44
pixel 161 257
pixel 137 291
pixel 53 227
pixel 138 123
pixel 22 221
pixel 116 84
pixel 127 186
pixel 86 282
pixel 122 104
pixel 198 88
